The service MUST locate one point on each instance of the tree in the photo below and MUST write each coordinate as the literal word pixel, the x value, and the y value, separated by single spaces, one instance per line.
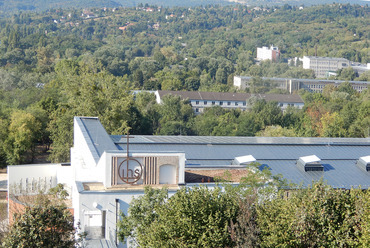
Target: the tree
pixel 46 223
pixel 332 125
pixel 316 216
pixel 176 116
pixel 276 131
pixel 24 131
pixel 197 217
pixel 347 74
pixel 141 214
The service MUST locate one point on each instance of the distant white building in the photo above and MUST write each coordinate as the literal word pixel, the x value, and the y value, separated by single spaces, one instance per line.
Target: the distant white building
pixel 229 100
pixel 265 53
pixel 322 66
pixel 294 84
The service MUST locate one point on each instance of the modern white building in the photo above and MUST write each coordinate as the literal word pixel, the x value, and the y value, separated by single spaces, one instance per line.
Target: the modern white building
pixel 265 53
pixel 107 171
pixel 324 65
pixel 229 100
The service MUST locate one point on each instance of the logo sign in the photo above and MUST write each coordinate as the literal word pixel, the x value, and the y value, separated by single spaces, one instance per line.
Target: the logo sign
pixel 130 170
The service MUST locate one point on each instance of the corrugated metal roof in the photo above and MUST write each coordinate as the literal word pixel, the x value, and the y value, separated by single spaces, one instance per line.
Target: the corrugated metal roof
pixel 260 152
pixel 338 155
pixel 144 139
pixel 337 173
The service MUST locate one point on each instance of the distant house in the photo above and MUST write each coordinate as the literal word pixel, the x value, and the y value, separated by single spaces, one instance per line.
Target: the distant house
pixel 201 100
pixel 265 53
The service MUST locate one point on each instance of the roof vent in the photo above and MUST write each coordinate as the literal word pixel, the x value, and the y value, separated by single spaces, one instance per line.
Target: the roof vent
pixel 243 160
pixel 310 163
pixel 364 163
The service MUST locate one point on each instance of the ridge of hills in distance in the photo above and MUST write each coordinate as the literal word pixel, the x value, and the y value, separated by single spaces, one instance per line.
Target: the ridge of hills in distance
pixel 9 6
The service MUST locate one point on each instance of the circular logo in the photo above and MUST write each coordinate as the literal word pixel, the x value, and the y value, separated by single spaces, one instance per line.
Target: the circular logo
pixel 130 170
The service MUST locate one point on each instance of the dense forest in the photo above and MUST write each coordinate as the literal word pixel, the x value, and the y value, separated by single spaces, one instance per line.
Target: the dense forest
pixel 66 62
pixel 9 7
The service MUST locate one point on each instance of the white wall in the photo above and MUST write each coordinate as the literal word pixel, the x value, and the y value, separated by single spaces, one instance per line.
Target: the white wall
pixel 106 201
pixel 38 175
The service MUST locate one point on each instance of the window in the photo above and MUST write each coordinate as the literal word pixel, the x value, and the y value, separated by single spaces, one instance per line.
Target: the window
pixel 236 103
pixel 281 105
pixel 197 110
pixel 221 103
pixel 205 102
pixel 213 102
pixel 95 224
pixel 228 103
pixel 197 102
pixel 167 174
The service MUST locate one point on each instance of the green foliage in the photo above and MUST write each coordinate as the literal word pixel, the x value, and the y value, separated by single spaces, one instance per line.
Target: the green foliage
pixel 276 131
pixel 57 64
pixel 59 192
pixel 47 223
pixel 197 217
pixel 20 144
pixel 142 213
pixel 317 216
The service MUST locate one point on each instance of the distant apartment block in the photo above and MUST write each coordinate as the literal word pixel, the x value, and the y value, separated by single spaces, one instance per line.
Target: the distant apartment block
pixel 265 53
pixel 201 100
pixel 322 66
pixel 294 84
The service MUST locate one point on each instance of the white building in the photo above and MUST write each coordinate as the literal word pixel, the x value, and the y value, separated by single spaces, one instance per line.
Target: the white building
pixel 229 100
pixel 323 65
pixel 106 172
pixel 294 84
pixel 265 53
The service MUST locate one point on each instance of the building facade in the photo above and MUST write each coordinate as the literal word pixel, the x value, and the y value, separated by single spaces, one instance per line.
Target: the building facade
pixel 265 53
pixel 107 171
pixel 294 84
pixel 228 100
pixel 322 66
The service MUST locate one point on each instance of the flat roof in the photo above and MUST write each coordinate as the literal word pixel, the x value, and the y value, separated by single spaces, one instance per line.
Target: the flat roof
pixel 229 96
pixel 278 154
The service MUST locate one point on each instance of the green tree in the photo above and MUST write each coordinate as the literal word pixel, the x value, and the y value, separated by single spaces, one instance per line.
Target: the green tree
pixel 24 130
pixel 46 223
pixel 176 116
pixel 276 131
pixel 332 125
pixel 197 217
pixel 316 216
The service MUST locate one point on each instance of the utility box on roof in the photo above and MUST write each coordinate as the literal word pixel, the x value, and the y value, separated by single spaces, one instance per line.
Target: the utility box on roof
pixel 244 160
pixel 364 163
pixel 310 163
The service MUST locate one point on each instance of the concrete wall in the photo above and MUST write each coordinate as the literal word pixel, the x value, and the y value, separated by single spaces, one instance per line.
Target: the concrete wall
pixel 32 178
pixel 106 201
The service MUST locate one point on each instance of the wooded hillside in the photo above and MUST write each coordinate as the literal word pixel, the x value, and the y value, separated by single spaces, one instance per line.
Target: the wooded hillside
pixel 68 62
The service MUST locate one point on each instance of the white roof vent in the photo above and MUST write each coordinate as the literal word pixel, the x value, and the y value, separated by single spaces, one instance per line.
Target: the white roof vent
pixel 364 163
pixel 243 160
pixel 310 163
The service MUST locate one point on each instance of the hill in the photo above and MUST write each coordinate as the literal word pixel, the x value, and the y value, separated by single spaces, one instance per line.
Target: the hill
pixel 8 7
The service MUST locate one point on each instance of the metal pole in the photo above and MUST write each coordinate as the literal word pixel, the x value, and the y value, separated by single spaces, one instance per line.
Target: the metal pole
pixel 117 201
